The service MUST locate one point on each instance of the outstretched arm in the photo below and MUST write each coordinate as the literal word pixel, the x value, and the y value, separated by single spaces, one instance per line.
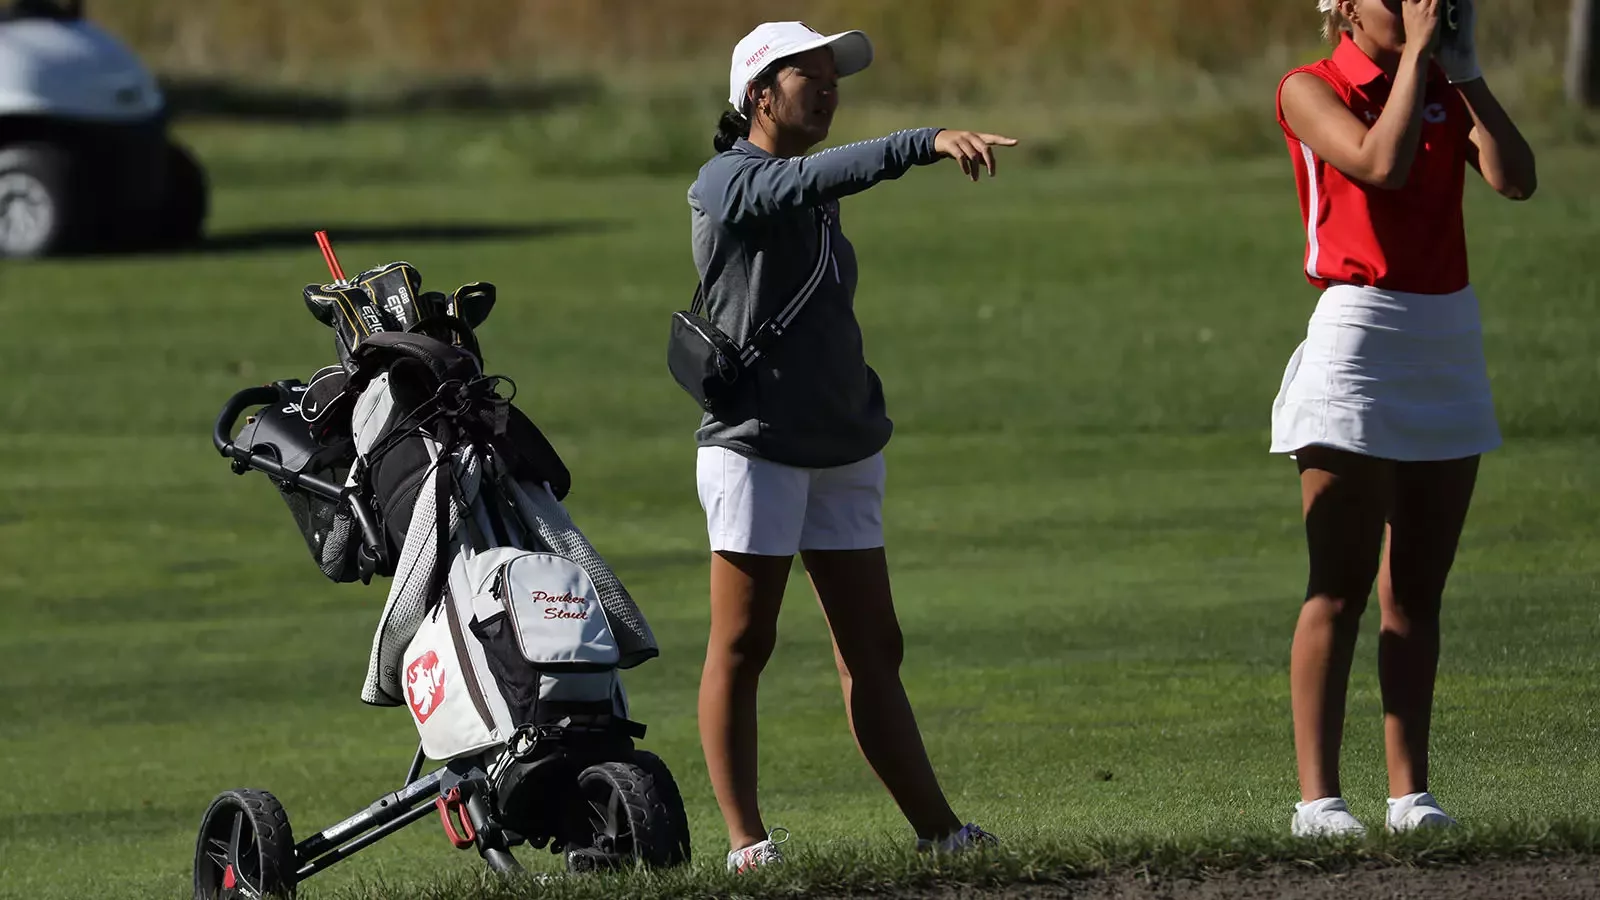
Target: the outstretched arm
pixel 739 189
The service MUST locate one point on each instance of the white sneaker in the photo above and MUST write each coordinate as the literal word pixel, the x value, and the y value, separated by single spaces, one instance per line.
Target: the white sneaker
pixel 1327 817
pixel 1414 811
pixel 970 836
pixel 761 853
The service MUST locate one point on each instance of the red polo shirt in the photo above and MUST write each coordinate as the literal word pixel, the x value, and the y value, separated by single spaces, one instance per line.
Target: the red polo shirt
pixel 1412 239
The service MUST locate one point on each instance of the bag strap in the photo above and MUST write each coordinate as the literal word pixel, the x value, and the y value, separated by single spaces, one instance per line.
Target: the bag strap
pixel 761 341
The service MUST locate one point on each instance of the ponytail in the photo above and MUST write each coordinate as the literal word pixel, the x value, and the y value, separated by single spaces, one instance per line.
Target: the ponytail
pixel 730 128
pixel 735 124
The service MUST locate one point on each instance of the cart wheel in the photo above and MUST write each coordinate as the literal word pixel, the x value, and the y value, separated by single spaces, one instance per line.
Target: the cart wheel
pixel 42 208
pixel 618 816
pixel 671 799
pixel 245 850
pixel 182 218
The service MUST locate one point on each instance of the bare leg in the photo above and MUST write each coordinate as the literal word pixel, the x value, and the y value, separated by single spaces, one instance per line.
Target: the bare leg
pixel 746 594
pixel 1430 508
pixel 1345 501
pixel 853 588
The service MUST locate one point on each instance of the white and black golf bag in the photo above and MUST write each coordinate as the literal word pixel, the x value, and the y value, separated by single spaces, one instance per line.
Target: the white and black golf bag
pixel 500 613
pixel 504 631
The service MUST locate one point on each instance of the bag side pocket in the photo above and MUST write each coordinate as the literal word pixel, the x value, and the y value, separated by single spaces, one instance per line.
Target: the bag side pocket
pixel 518 681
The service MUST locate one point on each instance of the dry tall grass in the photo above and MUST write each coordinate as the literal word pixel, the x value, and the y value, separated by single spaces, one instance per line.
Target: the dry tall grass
pixel 1077 79
pixel 935 50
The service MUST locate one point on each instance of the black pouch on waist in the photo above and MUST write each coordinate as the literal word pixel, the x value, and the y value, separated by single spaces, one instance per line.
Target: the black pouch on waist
pixel 704 361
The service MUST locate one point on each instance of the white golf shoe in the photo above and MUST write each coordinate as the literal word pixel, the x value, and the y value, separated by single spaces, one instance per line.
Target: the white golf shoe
pixel 761 853
pixel 1327 817
pixel 968 837
pixel 1414 811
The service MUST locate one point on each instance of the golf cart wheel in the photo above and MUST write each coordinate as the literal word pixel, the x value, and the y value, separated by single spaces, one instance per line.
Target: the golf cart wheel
pixel 672 802
pixel 245 850
pixel 617 816
pixel 184 208
pixel 39 211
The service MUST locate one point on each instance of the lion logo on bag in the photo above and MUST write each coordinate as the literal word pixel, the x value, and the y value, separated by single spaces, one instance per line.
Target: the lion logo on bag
pixel 425 685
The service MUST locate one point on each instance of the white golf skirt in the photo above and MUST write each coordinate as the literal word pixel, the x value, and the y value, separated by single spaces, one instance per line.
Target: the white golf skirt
pixel 1391 375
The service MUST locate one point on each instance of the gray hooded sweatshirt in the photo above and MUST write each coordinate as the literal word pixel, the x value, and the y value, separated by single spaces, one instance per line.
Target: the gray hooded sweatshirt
pixel 814 402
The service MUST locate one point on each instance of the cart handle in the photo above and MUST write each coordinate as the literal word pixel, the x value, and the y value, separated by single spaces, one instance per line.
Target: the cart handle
pixel 243 459
pixel 238 403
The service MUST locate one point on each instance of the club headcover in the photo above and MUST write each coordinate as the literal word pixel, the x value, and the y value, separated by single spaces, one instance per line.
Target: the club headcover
pixel 390 298
pixel 433 303
pixel 325 404
pixel 324 306
pixel 472 302
pixel 350 312
pixel 393 288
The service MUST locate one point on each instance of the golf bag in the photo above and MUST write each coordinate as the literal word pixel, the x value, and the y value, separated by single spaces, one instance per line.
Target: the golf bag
pixel 500 614
pixel 491 570
pixel 503 633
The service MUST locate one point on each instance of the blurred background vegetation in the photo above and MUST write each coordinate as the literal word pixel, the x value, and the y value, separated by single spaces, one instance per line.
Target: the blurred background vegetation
pixel 526 86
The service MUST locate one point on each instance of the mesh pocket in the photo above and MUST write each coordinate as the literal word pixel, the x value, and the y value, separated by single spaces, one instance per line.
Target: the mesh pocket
pixel 328 529
pixel 518 681
pixel 338 559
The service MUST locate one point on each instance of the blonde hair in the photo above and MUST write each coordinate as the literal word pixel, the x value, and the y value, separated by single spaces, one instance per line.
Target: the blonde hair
pixel 1334 24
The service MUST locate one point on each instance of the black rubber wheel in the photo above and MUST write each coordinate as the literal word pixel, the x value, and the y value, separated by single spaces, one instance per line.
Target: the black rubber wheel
pixel 245 849
pixel 616 817
pixel 671 799
pixel 40 212
pixel 187 201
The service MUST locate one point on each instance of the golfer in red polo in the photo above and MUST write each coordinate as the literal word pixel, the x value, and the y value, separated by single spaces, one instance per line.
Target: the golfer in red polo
pixel 1386 405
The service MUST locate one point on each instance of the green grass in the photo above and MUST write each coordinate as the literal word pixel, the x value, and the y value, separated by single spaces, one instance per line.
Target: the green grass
pixel 856 871
pixel 1096 561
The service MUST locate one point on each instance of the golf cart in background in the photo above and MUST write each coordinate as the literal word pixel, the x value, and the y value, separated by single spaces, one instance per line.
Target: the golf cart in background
pixel 86 162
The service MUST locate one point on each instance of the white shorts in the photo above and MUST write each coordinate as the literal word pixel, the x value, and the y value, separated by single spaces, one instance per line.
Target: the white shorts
pixel 765 508
pixel 1389 374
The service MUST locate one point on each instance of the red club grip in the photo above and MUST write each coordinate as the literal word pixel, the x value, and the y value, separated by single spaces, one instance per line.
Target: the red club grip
pixel 328 257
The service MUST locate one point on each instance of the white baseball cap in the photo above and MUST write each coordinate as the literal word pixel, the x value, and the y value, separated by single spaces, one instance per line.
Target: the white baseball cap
pixel 852 52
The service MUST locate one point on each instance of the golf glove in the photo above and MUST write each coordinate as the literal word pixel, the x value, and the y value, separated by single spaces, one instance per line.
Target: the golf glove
pixel 1458 52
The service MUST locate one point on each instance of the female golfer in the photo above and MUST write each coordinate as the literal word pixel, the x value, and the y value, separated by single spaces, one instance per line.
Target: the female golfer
pixel 1386 405
pixel 796 467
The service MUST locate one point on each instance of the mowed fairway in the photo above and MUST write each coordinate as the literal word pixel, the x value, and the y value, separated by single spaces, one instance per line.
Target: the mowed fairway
pixel 1097 564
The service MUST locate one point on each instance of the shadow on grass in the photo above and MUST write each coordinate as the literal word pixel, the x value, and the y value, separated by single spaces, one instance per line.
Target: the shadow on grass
pixel 291 237
pixel 230 100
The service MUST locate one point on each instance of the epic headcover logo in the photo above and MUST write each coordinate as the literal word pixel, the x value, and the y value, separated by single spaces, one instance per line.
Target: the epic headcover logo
pixel 425 685
pixel 396 304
